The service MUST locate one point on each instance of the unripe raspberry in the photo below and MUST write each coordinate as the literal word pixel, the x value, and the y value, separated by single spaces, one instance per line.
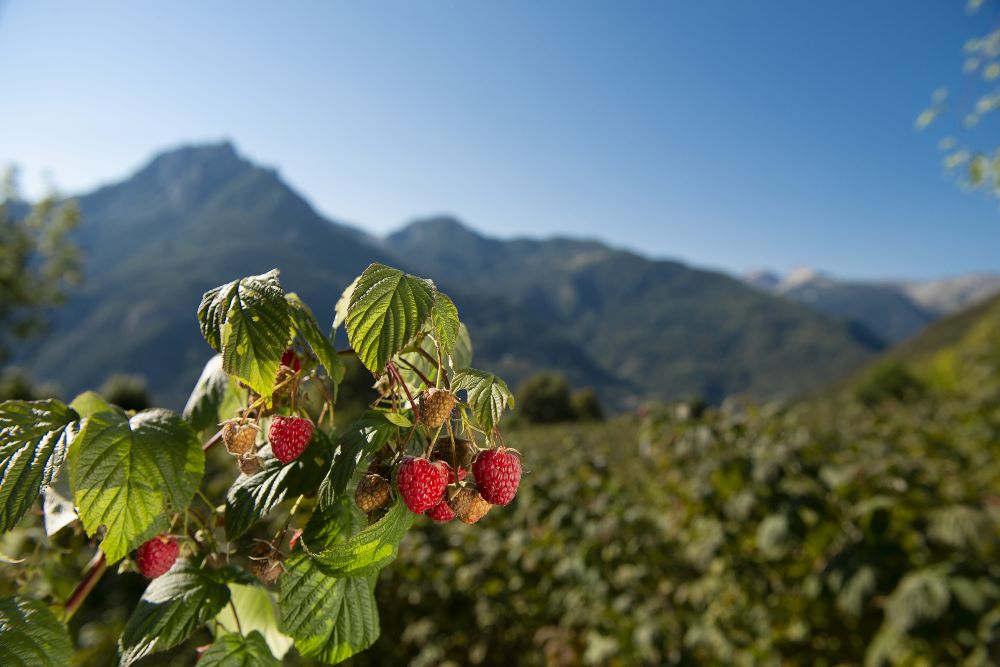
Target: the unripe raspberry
pixel 372 492
pixel 157 556
pixel 436 406
pixel 498 473
pixel 421 483
pixel 469 506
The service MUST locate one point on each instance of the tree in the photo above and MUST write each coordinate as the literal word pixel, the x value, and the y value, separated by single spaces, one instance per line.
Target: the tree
pixel 129 392
pixel 545 399
pixel 38 262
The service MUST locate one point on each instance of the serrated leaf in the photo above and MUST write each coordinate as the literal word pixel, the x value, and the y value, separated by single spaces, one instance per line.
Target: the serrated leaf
pixel 257 611
pixel 368 551
pixel 235 650
pixel 173 607
pixel 330 618
pixel 343 303
pixel 387 308
pixel 90 403
pixel 488 395
pixel 444 316
pixel 308 330
pixel 248 321
pixel 251 498
pixel 126 473
pixel 31 635
pixel 34 436
pixel 359 440
pixel 211 394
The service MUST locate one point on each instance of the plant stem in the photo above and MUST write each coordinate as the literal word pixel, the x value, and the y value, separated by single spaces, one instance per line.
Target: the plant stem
pixel 95 570
pixel 399 378
pixel 211 441
pixel 239 628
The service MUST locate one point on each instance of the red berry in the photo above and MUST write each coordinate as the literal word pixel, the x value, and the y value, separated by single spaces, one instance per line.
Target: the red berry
pixel 295 538
pixel 497 472
pixel 157 556
pixel 441 512
pixel 462 472
pixel 290 359
pixel 421 483
pixel 289 437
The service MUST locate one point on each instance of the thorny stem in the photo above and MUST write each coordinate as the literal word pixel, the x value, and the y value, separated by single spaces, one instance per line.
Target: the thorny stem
pixel 416 370
pixel 399 378
pixel 95 570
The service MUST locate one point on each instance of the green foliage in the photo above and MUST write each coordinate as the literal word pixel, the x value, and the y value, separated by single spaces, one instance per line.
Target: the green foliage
pixel 545 399
pixel 235 650
pixel 889 380
pixel 586 405
pixel 38 262
pixel 368 551
pixel 387 308
pixel 30 635
pixel 129 392
pixel 126 473
pixel 488 396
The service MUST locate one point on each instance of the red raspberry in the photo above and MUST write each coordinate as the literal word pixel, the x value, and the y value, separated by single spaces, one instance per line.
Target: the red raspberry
pixel 462 472
pixel 441 512
pixel 497 472
pixel 421 483
pixel 157 556
pixel 295 538
pixel 289 437
pixel 291 360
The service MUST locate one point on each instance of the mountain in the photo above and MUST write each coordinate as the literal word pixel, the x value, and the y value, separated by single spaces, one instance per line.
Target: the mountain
pixel 893 311
pixel 667 328
pixel 197 216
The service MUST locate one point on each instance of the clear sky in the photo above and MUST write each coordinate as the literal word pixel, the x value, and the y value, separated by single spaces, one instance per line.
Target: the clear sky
pixel 730 134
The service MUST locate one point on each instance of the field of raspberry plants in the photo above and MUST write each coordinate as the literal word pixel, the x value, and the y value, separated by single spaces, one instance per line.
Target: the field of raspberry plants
pixel 828 533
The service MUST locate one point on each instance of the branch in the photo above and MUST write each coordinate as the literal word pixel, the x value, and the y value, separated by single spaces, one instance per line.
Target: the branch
pixel 95 570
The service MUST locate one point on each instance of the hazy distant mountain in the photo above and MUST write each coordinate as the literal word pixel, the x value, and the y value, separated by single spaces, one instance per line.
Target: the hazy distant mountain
pixel 663 326
pixel 198 216
pixel 893 311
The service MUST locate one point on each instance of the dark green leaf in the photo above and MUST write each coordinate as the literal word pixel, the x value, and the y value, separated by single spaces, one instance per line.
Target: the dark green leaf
pixel 126 474
pixel 308 330
pixel 359 440
pixel 31 635
pixel 368 551
pixel 33 440
pixel 387 308
pixel 205 405
pixel 247 320
pixel 488 395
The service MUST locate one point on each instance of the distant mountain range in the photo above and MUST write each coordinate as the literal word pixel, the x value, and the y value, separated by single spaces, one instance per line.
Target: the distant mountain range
pixel 633 327
pixel 892 310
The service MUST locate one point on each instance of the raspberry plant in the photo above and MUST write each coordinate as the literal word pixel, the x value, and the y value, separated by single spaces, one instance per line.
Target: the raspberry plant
pixel 135 483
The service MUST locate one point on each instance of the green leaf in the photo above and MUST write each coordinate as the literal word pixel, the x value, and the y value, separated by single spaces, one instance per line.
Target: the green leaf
pixel 173 607
pixel 330 618
pixel 251 498
pixel 368 551
pixel 33 440
pixel 57 503
pixel 444 316
pixel 214 391
pixel 257 612
pixel 921 596
pixel 90 403
pixel 343 303
pixel 31 635
pixel 488 395
pixel 398 419
pixel 235 650
pixel 461 353
pixel 247 320
pixel 126 474
pixel 387 309
pixel 308 330
pixel 359 440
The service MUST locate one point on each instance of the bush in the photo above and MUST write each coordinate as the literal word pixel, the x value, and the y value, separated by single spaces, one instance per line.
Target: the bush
pixel 128 392
pixel 889 381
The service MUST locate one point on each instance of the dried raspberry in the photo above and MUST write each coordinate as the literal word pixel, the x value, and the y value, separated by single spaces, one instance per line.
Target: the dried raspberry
pixel 157 556
pixel 436 406
pixel 468 505
pixel 249 464
pixel 239 438
pixel 498 472
pixel 421 483
pixel 372 492
pixel 441 512
pixel 289 437
pixel 265 562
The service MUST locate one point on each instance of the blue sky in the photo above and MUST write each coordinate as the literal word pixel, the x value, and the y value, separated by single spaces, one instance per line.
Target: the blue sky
pixel 729 134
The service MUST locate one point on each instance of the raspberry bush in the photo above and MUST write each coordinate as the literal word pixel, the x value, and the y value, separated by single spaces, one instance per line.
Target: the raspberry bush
pixel 315 509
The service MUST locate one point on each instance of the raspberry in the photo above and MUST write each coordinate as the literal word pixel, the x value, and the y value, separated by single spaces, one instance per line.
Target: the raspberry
pixel 421 483
pixel 462 451
pixel 468 505
pixel 291 360
pixel 289 437
pixel 436 406
pixel 295 538
pixel 372 493
pixel 441 512
pixel 452 478
pixel 497 472
pixel 249 464
pixel 239 439
pixel 157 556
